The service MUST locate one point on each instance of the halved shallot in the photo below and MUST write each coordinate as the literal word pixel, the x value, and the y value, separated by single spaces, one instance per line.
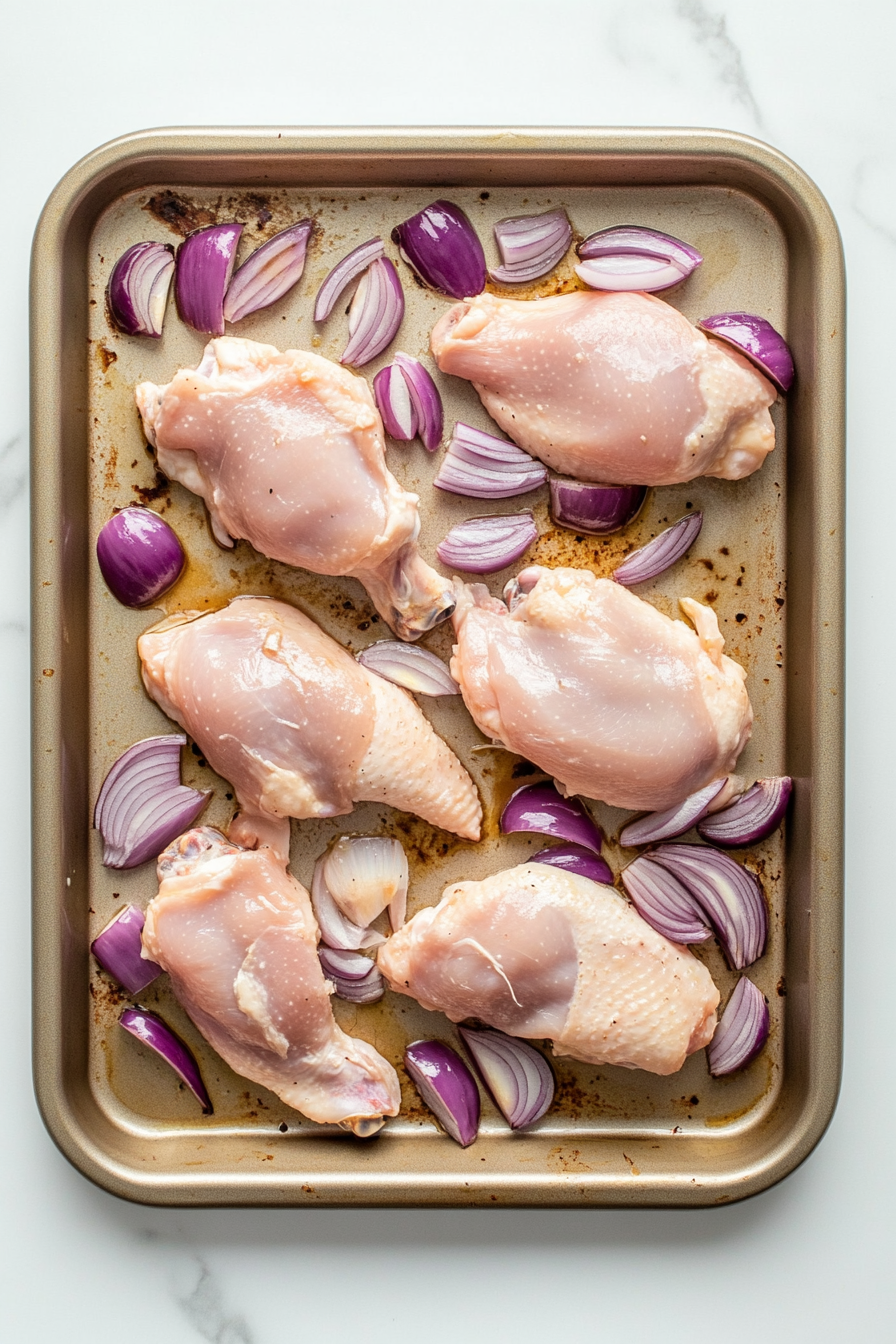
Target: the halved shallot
pixel 270 272
pixel 661 553
pixel 137 293
pixel 156 1033
pixel 117 949
pixel 447 1087
pixel 540 808
pixel 484 545
pixel 486 467
pixel 742 1031
pixel 441 245
pixel 205 261
pixel 530 245
pixel 751 817
pixel 142 805
pixel 139 555
pixel 595 509
pixel 518 1077
pixel 409 666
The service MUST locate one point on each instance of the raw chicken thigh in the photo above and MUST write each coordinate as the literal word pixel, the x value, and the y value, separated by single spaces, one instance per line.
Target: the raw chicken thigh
pixel 287 451
pixel 298 727
pixel 539 952
pixel 609 387
pixel 236 933
pixel 600 689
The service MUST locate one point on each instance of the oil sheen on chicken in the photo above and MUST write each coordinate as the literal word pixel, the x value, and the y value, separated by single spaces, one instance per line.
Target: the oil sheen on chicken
pixel 237 935
pixel 287 450
pixel 539 952
pixel 599 689
pixel 297 726
pixel 619 388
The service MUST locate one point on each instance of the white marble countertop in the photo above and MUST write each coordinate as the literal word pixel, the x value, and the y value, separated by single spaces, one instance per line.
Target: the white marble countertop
pixel 811 1259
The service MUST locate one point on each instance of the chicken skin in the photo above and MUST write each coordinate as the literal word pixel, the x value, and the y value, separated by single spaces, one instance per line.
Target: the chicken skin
pixel 287 450
pixel 297 726
pixel 611 387
pixel 237 935
pixel 536 951
pixel 599 689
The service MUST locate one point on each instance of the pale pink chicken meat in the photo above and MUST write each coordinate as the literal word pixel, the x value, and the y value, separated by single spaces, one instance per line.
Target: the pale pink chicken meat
pixel 611 387
pixel 539 952
pixel 288 452
pixel 297 725
pixel 599 689
pixel 237 935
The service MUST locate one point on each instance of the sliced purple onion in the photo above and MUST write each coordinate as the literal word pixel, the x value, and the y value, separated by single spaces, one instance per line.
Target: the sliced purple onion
pixel 138 287
pixel 540 808
pixel 752 816
pixel 425 399
pixel 376 313
pixel 576 859
pixel 393 398
pixel 518 1077
pixel 355 978
pixel 205 261
pixel 730 897
pixel 343 273
pixel 742 1031
pixel 596 509
pixel 366 873
pixel 663 903
pixel 660 554
pixel 483 545
pixel 485 467
pixel 757 339
pixel 409 401
pixel 336 929
pixel 630 257
pixel 143 805
pixel 409 666
pixel 530 245
pixel 441 245
pixel 154 1032
pixel 139 555
pixel 447 1087
pixel 118 948
pixel 675 820
pixel 270 272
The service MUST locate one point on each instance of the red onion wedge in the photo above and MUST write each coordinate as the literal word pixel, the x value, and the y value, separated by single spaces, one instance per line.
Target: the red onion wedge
pixel 376 313
pixel 143 805
pixel 757 339
pixel 660 554
pixel 152 1031
pixel 596 509
pixel 447 1087
pixel 270 272
pixel 483 545
pixel 355 978
pixel 393 397
pixel 752 816
pixel 540 808
pixel 663 903
pixel 205 261
pixel 139 555
pixel 409 666
pixel 409 401
pixel 366 873
pixel 675 820
pixel 518 1077
pixel 485 467
pixel 530 245
pixel 730 897
pixel 336 929
pixel 137 293
pixel 576 859
pixel 441 245
pixel 343 273
pixel 630 257
pixel 118 947
pixel 742 1031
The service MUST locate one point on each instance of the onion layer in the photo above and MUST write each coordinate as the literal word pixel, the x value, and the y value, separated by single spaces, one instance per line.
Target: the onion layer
pixel 484 545
pixel 343 273
pixel 376 313
pixel 757 339
pixel 270 272
pixel 518 1077
pixel 409 401
pixel 336 930
pixel 729 896
pixel 409 666
pixel 205 261
pixel 596 509
pixel 675 820
pixel 540 808
pixel 154 1032
pixel 143 805
pixel 576 859
pixel 366 873
pixel 752 816
pixel 447 1087
pixel 742 1031
pixel 663 903
pixel 530 245
pixel 118 948
pixel 139 555
pixel 441 245
pixel 485 467
pixel 660 554
pixel 355 978
pixel 630 257
pixel 137 293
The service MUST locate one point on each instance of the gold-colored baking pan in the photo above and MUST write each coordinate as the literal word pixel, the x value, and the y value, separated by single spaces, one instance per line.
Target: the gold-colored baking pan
pixel 769 560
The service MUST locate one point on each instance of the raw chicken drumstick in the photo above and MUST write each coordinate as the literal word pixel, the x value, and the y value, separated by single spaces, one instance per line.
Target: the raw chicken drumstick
pixel 236 933
pixel 539 952
pixel 600 689
pixel 618 388
pixel 287 450
pixel 298 727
